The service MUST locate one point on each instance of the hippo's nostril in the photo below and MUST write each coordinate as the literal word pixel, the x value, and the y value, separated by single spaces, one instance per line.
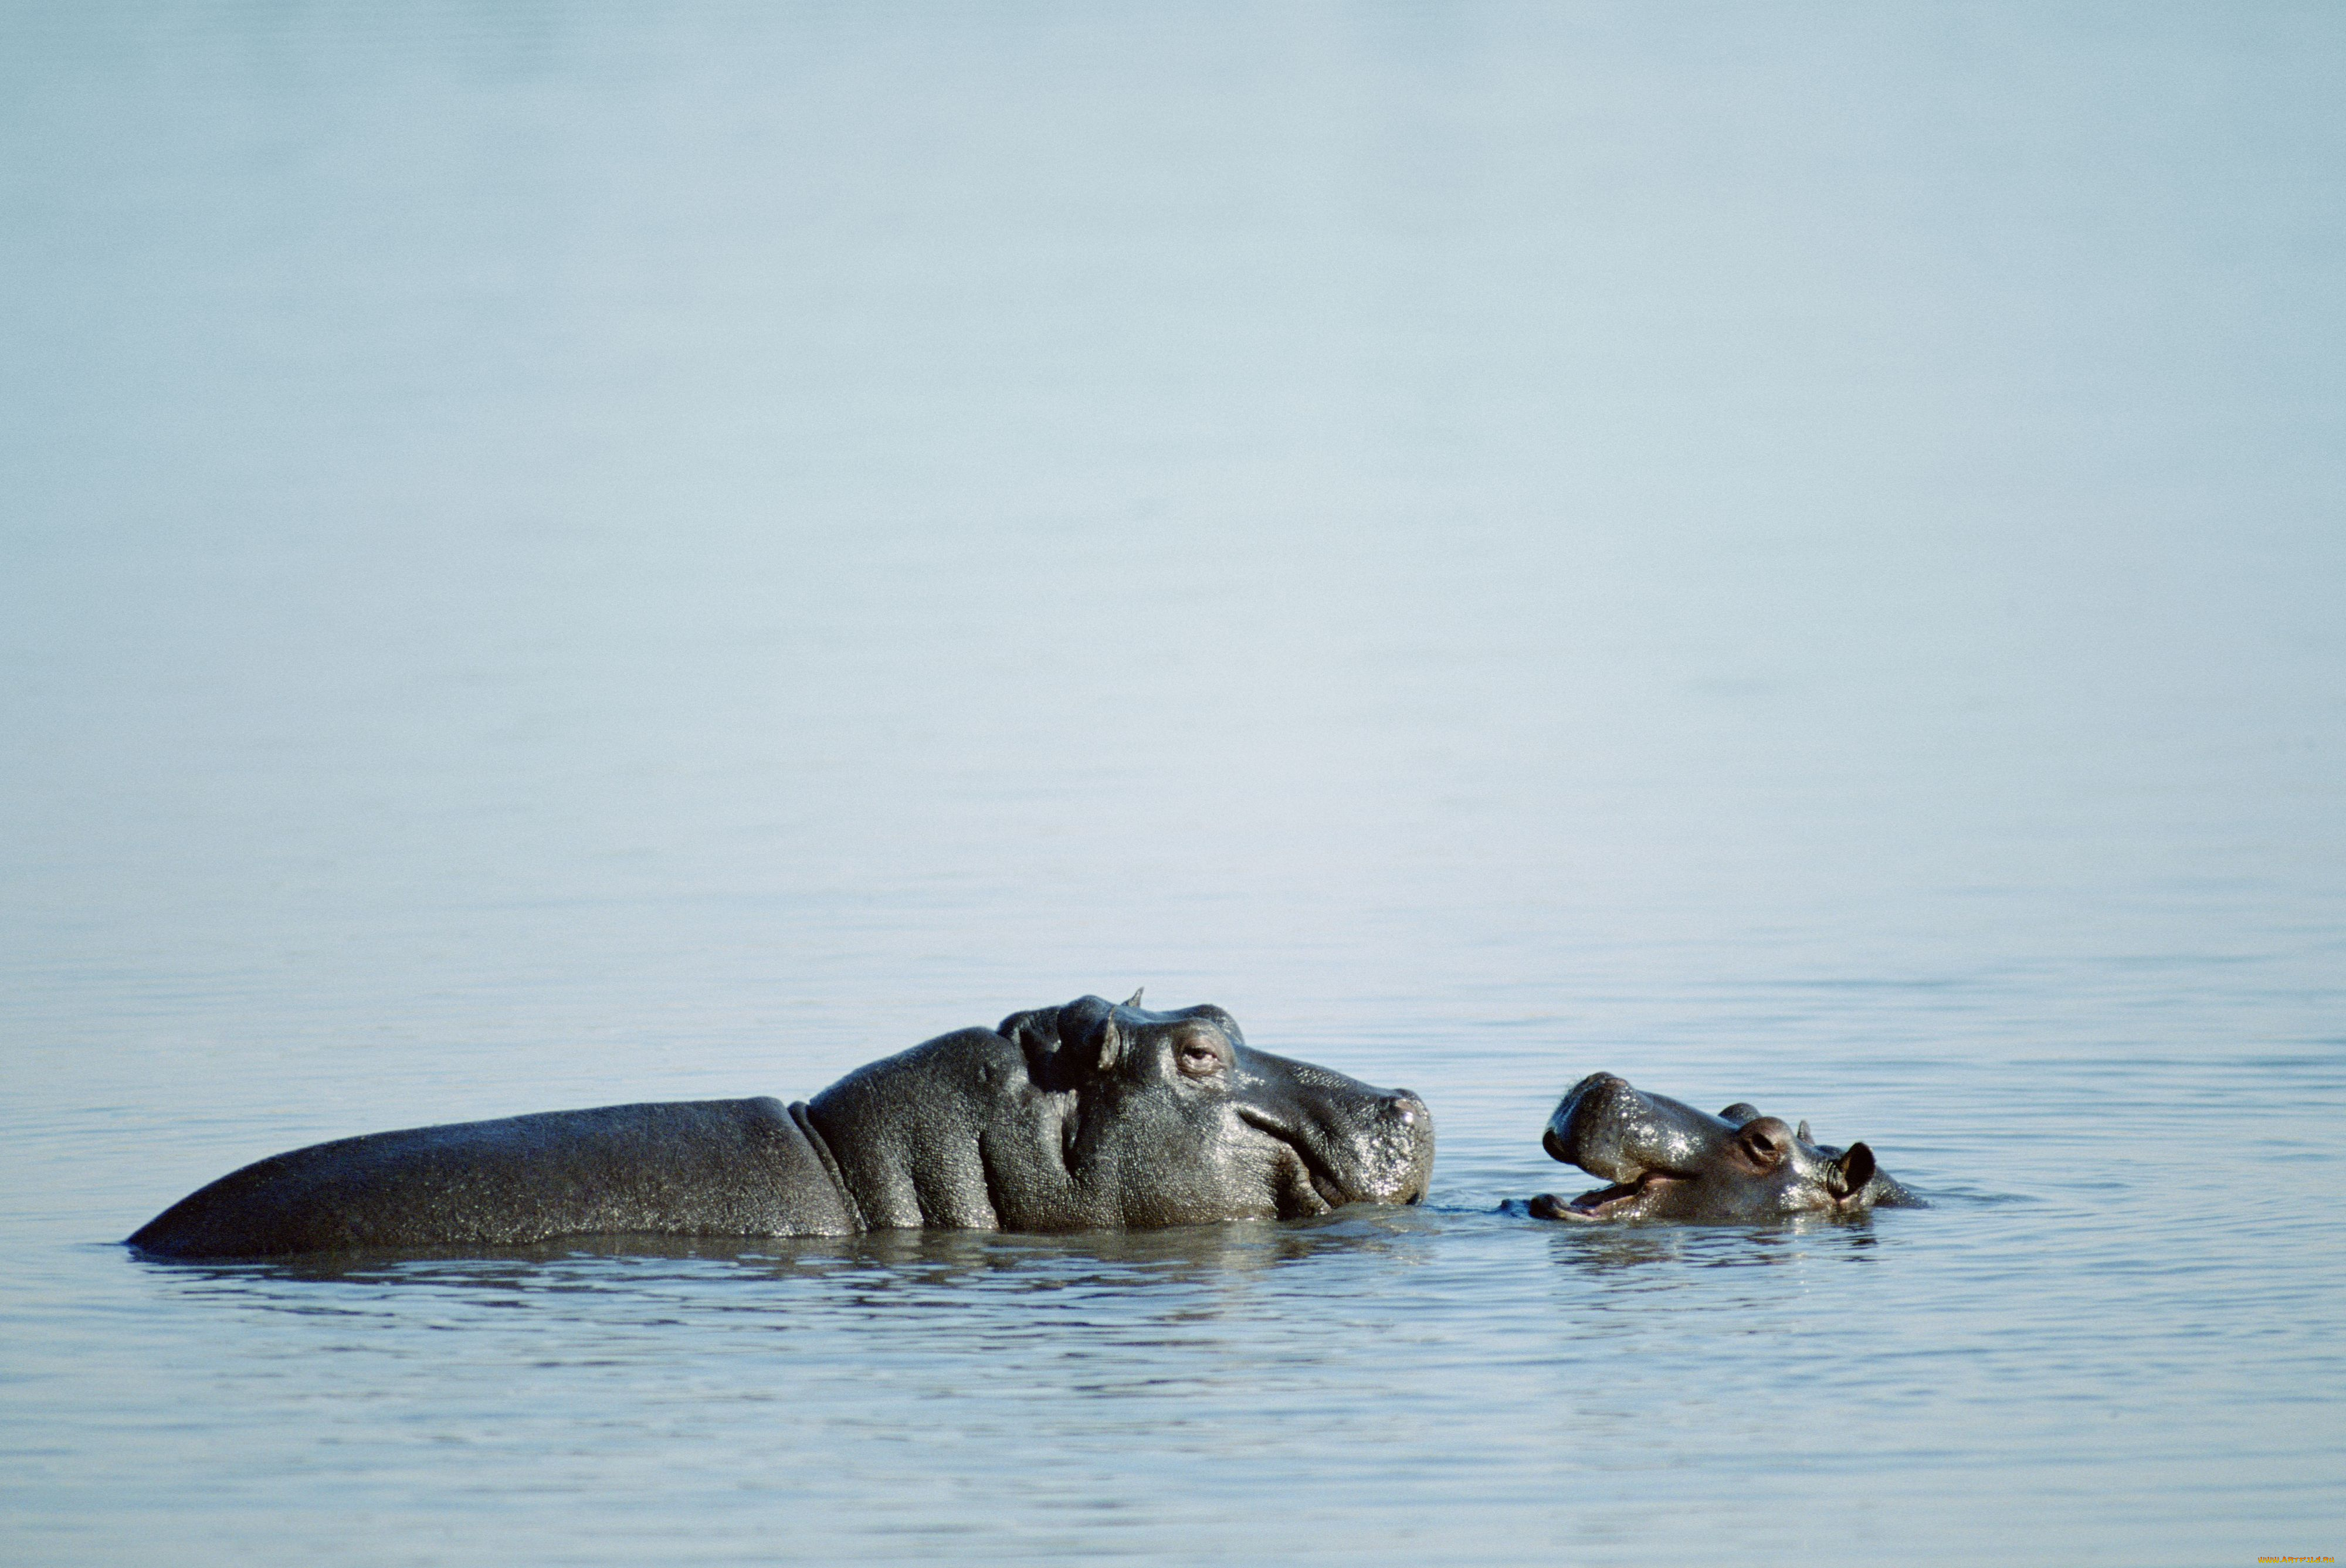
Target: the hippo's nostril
pixel 1405 1106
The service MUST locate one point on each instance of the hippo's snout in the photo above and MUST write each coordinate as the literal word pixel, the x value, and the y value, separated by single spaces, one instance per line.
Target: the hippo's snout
pixel 1607 1128
pixel 1395 1153
pixel 1356 1143
pixel 1402 1161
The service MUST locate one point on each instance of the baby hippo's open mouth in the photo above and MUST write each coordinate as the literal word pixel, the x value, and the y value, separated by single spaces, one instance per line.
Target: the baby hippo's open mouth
pixel 1622 1200
pixel 1667 1161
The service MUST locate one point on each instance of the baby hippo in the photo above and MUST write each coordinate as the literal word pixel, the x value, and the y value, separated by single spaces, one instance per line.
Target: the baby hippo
pixel 1670 1161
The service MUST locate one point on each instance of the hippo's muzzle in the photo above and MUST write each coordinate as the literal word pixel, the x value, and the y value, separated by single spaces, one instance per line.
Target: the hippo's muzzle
pixel 1351 1150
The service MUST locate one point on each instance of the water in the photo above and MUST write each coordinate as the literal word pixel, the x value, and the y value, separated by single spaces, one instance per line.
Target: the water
pixel 563 554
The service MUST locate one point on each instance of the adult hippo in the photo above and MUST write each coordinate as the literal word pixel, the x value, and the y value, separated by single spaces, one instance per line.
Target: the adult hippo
pixel 1089 1116
pixel 1670 1161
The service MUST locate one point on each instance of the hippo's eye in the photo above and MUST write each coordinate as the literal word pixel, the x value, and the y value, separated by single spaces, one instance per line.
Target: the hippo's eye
pixel 1199 1059
pixel 1766 1144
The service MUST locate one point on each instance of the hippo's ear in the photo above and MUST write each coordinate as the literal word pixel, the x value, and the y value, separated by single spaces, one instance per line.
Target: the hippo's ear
pixel 1088 1037
pixel 1065 1045
pixel 1802 1133
pixel 1134 1000
pixel 1035 1030
pixel 1849 1174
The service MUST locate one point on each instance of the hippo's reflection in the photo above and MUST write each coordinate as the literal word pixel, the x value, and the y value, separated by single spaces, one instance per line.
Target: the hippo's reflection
pixel 1629 1248
pixel 876 1269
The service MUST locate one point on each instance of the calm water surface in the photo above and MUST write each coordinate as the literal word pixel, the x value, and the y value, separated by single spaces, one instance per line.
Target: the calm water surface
pixel 554 556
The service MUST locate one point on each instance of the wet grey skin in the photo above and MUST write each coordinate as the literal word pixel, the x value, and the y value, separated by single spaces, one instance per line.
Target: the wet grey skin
pixel 1667 1161
pixel 1090 1116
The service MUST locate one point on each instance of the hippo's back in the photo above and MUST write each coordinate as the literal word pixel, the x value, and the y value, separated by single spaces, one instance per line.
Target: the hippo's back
pixel 704 1167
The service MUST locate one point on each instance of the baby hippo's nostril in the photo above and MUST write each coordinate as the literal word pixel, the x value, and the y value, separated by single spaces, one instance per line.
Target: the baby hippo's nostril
pixel 1405 1106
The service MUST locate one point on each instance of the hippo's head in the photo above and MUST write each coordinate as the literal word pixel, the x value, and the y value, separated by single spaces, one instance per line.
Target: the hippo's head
pixel 1670 1161
pixel 1095 1116
pixel 1178 1119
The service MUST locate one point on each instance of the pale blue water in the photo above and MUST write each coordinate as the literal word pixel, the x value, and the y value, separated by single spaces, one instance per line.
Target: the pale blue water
pixel 552 555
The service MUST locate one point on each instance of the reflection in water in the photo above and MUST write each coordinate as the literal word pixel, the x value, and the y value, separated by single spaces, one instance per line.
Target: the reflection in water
pixel 1806 1239
pixel 876 1271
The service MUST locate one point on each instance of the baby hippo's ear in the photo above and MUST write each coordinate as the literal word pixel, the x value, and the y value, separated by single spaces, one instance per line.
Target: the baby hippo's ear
pixel 1847 1176
pixel 1066 1045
